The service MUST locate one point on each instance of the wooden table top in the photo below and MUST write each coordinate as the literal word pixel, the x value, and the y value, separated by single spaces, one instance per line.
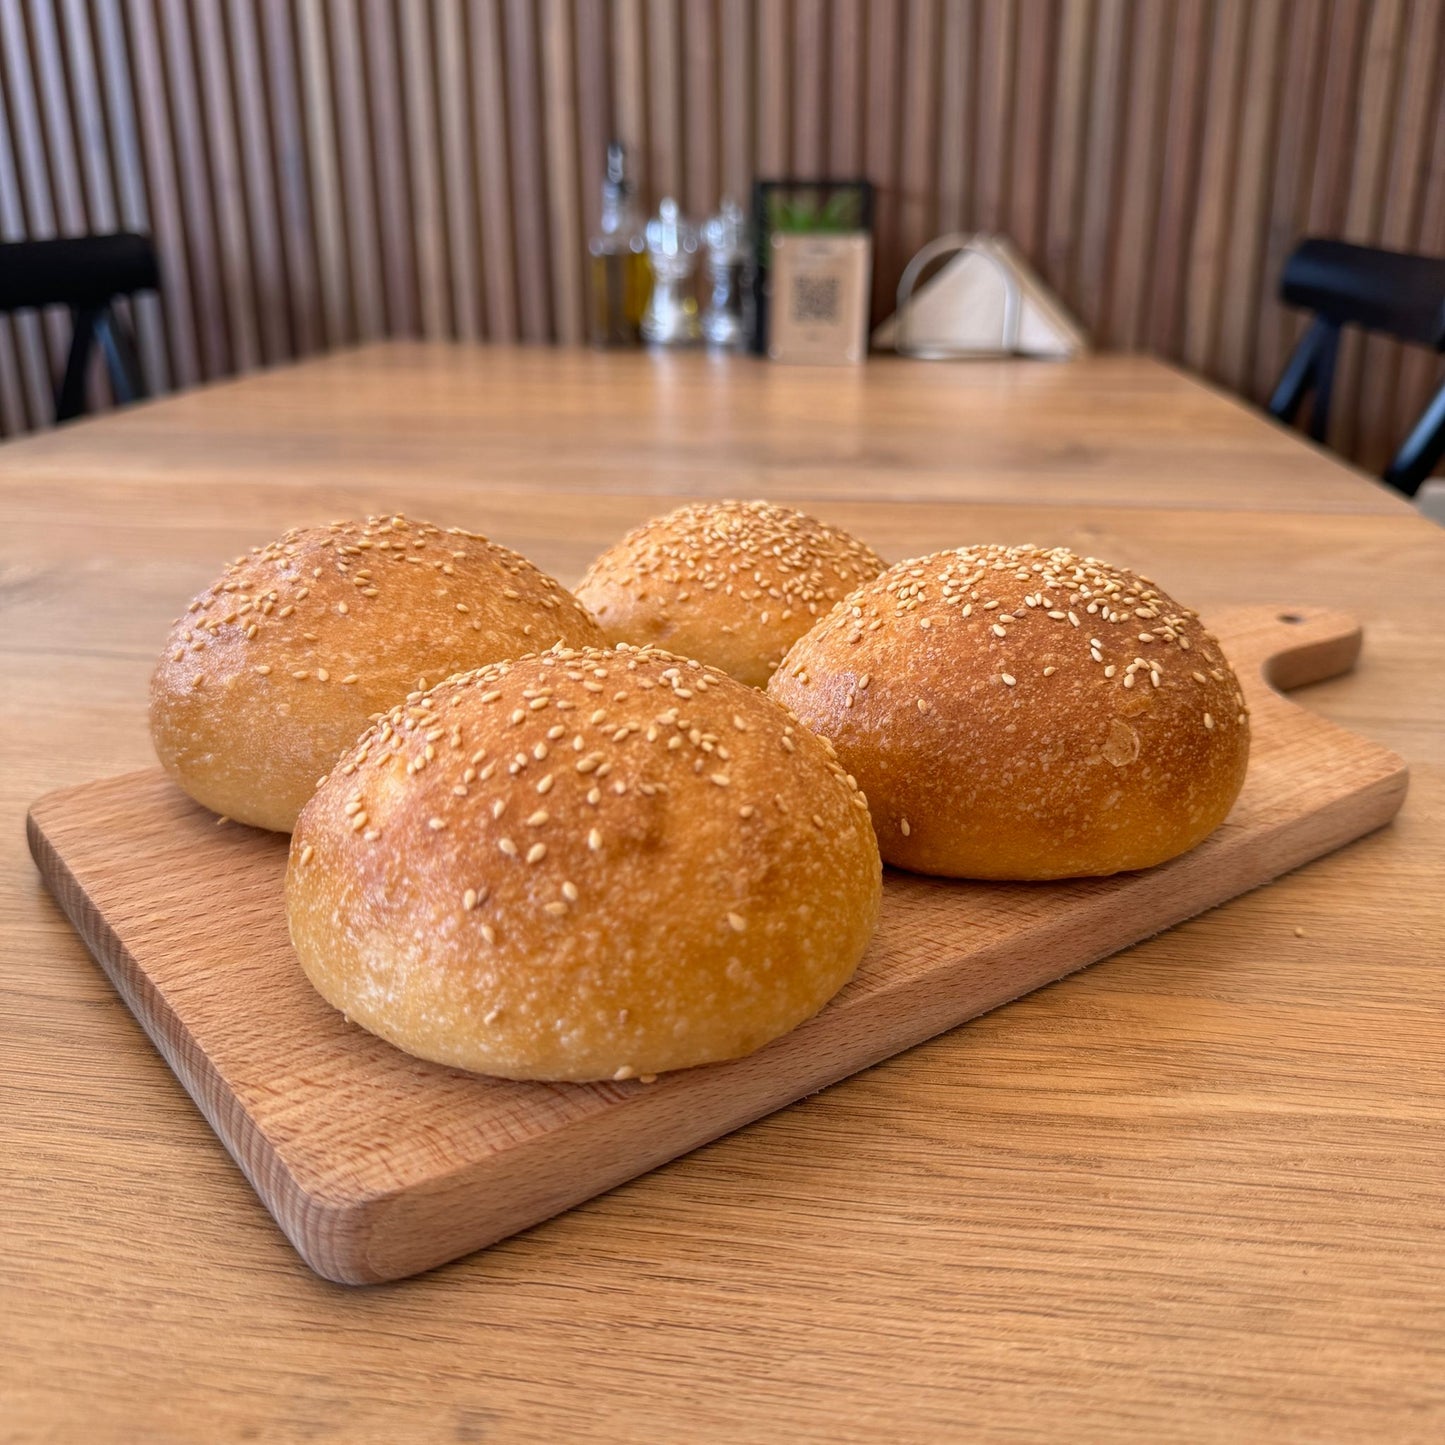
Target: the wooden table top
pixel 1194 1193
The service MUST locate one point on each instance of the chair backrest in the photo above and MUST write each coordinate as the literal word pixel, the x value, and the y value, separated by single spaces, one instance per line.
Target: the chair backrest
pixel 79 271
pixel 1390 291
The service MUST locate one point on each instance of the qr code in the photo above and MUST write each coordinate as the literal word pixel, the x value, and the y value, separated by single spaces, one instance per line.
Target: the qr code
pixel 815 298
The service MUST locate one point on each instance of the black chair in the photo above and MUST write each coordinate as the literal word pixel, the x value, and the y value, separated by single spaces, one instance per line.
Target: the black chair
pixel 1387 291
pixel 87 274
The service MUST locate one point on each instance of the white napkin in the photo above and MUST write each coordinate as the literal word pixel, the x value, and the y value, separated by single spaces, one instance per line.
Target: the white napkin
pixel 961 308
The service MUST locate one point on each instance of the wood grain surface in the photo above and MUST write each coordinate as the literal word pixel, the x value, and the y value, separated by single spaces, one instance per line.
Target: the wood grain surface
pixel 378 1166
pixel 1193 1195
pixel 323 172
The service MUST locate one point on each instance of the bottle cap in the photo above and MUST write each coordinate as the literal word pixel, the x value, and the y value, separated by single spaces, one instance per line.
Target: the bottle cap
pixel 726 234
pixel 668 234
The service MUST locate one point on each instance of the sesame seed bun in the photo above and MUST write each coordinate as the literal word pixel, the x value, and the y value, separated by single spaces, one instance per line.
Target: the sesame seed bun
pixel 733 584
pixel 1014 712
pixel 285 658
pixel 583 865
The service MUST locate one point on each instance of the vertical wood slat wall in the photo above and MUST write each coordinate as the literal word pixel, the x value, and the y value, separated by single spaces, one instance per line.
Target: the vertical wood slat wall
pixel 322 172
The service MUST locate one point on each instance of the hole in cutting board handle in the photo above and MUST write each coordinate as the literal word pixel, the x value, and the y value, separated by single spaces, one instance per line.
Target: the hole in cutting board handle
pixel 1293 618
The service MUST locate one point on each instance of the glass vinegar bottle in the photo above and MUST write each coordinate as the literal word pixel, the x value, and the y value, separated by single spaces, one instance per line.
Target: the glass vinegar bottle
pixel 618 270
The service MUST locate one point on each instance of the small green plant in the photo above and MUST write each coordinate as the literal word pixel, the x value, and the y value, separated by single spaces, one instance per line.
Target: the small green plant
pixel 815 208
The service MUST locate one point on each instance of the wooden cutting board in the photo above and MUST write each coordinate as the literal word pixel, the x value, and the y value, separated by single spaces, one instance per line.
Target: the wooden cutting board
pixel 377 1165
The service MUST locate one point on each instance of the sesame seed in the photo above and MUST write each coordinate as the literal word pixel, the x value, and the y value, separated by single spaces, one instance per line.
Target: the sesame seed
pixel 739 723
pixel 1208 721
pixel 436 824
pixel 1050 671
pixel 737 923
pixel 307 853
pixel 721 779
pixel 746 811
pixel 342 608
pixel 904 827
pixel 544 785
pixel 569 892
pixel 301 674
pixel 555 909
pixel 264 669
pixel 594 840
pixel 1008 678
pixel 998 631
pixel 322 675
pixel 536 852
pixel 490 934
pixel 469 899
pixel 508 847
pixel 538 818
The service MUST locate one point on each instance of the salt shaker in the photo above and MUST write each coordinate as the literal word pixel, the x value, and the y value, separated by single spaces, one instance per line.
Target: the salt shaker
pixel 671 315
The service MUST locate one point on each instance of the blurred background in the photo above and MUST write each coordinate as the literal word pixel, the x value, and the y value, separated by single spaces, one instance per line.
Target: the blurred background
pixel 318 173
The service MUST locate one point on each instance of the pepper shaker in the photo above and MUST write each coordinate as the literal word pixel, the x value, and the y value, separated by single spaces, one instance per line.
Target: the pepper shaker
pixel 725 322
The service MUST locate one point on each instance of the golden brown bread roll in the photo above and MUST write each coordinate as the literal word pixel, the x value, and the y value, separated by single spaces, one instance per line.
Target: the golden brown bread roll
pixel 733 584
pixel 584 865
pixel 283 660
pixel 1014 712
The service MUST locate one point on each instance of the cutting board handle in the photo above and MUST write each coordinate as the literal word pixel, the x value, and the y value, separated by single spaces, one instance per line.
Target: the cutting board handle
pixel 1291 646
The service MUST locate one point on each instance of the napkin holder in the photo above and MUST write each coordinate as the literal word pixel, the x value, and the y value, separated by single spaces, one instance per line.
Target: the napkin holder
pixel 984 301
